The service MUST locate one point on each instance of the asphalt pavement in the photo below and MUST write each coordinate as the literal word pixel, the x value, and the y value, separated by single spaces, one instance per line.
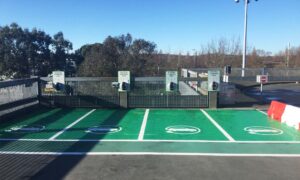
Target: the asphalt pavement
pixel 287 93
pixel 148 167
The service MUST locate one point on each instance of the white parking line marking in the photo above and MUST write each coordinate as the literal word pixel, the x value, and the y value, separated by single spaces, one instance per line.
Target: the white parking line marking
pixel 143 127
pixel 218 126
pixel 148 153
pixel 262 112
pixel 71 125
pixel 151 140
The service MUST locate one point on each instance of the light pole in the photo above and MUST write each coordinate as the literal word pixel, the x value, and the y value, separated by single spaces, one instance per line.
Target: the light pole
pixel 245 35
pixel 195 54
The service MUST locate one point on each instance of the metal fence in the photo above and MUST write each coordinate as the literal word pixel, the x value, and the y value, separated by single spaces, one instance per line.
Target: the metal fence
pixel 166 101
pixel 144 91
pixel 99 92
pixel 151 92
pixel 82 92
pixel 148 86
pixel 81 101
pixel 275 74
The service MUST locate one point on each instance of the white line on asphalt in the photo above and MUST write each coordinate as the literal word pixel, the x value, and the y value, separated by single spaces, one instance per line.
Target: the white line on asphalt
pixel 218 126
pixel 149 153
pixel 151 140
pixel 71 125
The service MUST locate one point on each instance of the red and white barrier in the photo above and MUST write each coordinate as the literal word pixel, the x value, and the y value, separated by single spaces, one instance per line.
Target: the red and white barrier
pixel 285 113
pixel 291 116
pixel 276 110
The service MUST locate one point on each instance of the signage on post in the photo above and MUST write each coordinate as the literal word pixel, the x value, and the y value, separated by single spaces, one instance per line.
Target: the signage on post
pixel 262 79
pixel 58 80
pixel 58 77
pixel 171 81
pixel 213 80
pixel 124 80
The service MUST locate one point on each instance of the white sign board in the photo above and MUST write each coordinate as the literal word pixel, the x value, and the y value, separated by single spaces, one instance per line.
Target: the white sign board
pixel 262 79
pixel 184 72
pixel 58 77
pixel 124 78
pixel 214 80
pixel 225 78
pixel 171 78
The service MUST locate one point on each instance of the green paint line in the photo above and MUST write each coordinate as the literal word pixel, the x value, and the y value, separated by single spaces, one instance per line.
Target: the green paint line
pixel 107 124
pixel 71 125
pixel 40 125
pixel 162 125
pixel 162 147
pixel 180 125
pixel 217 126
pixel 252 125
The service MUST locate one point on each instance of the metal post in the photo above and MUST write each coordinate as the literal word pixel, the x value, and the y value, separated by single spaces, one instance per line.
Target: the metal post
pixel 245 38
pixel 39 89
pixel 213 99
pixel 245 35
pixel 123 95
pixel 194 57
pixel 288 56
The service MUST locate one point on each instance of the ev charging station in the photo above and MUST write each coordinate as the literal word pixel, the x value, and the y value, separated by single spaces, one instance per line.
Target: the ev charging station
pixel 124 81
pixel 58 79
pixel 123 86
pixel 213 80
pixel 171 81
pixel 213 88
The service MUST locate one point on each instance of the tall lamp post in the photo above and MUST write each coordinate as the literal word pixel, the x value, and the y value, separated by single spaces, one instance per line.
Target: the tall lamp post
pixel 245 35
pixel 195 54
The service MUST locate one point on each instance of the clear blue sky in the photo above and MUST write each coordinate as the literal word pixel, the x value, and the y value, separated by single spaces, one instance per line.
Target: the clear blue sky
pixel 174 25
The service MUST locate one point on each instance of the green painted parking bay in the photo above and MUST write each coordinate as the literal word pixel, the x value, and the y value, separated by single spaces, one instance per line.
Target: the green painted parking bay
pixel 41 124
pixel 252 125
pixel 180 125
pixel 107 124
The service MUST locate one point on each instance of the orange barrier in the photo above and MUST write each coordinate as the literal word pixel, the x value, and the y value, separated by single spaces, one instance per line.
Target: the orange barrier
pixel 276 110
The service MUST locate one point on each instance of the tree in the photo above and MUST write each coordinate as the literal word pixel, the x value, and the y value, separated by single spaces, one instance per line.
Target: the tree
pixel 92 64
pixel 24 53
pixel 117 53
pixel 60 59
pixel 38 52
pixel 141 54
pixel 12 54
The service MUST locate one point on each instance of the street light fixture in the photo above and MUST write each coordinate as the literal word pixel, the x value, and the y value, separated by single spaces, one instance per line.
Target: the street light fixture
pixel 245 35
